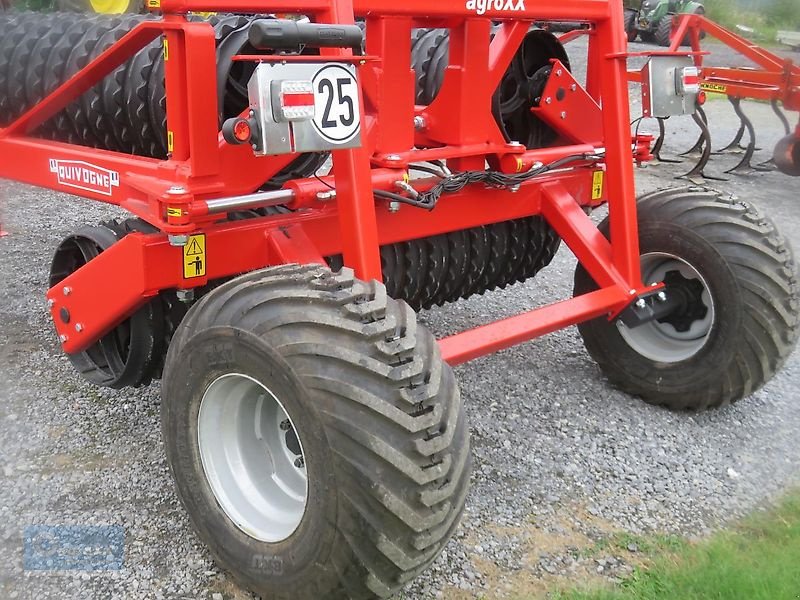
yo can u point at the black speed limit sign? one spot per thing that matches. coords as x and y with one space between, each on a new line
336 107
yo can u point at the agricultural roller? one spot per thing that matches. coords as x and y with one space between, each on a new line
773 79
298 190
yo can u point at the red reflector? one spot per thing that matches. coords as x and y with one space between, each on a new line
701 98
691 79
292 100
241 130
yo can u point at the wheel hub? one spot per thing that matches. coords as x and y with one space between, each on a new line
290 438
683 332
252 457
689 294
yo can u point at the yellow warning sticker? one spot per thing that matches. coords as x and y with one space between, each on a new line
194 256
174 212
597 185
153 3
713 87
170 141
166 43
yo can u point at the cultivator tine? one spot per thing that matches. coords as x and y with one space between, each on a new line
735 147
704 140
745 167
656 151
787 128
769 165
697 174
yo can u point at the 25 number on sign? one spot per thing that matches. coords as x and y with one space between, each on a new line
338 116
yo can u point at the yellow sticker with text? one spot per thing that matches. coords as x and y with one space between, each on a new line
713 87
170 141
194 257
597 185
174 212
153 3
166 49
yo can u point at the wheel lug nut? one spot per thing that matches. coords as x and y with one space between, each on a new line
286 425
300 463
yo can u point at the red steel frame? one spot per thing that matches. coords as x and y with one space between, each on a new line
460 128
775 78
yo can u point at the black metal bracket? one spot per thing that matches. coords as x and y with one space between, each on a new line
648 307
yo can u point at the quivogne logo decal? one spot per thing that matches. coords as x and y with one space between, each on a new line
84 176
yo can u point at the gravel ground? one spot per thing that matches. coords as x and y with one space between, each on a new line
562 460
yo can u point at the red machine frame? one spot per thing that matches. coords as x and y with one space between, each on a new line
175 194
775 79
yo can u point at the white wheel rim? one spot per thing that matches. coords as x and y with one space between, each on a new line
252 457
662 341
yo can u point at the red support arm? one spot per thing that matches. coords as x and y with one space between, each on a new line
462 347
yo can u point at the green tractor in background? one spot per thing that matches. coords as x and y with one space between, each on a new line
103 7
653 19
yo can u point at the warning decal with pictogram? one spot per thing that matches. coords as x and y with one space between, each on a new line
194 257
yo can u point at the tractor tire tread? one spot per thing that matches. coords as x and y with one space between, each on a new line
765 270
389 380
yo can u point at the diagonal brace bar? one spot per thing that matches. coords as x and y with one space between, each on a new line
462 347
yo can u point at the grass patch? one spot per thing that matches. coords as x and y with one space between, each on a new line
779 13
765 17
622 542
757 559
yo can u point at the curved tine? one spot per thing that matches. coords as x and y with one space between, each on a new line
697 174
705 137
787 128
656 151
735 145
769 165
745 167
